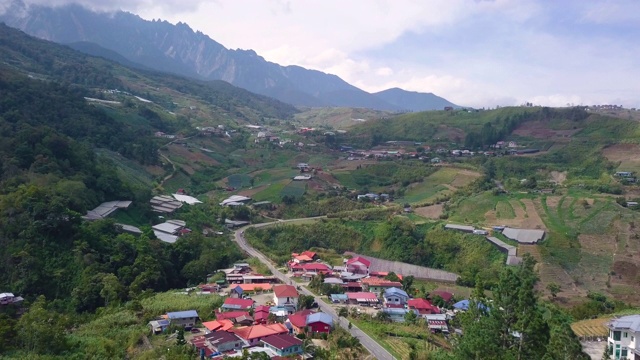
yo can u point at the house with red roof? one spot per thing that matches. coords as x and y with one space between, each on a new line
217 325
254 334
285 296
365 298
232 304
301 259
423 306
319 322
310 254
295 267
376 285
445 295
298 321
317 268
261 314
230 315
283 344
358 265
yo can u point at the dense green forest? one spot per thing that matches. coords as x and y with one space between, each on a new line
395 239
50 175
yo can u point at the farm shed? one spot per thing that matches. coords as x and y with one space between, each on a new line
463 228
524 236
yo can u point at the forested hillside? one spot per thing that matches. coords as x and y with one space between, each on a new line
50 175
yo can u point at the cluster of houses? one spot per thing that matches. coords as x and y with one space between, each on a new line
240 324
367 288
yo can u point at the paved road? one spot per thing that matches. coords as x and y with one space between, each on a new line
371 345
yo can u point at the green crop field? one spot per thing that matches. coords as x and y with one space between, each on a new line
294 189
239 181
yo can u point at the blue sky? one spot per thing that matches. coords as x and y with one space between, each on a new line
473 52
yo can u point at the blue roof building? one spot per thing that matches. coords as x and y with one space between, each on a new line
464 305
339 298
394 297
320 317
187 318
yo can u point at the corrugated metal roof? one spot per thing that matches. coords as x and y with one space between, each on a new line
182 314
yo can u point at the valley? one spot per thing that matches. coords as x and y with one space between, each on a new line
347 185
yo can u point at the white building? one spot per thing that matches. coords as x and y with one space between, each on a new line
623 334
285 296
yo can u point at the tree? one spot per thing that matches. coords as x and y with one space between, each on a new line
112 290
392 276
554 289
512 326
180 341
7 333
305 301
407 283
607 353
564 345
41 330
343 312
410 318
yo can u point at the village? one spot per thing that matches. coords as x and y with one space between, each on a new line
259 314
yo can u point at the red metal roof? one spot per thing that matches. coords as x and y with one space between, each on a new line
216 325
299 319
361 295
259 331
282 342
308 253
285 291
360 259
238 303
419 304
315 267
231 314
445 295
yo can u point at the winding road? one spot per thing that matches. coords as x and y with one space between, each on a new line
371 345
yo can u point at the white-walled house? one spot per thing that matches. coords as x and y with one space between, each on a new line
285 295
623 337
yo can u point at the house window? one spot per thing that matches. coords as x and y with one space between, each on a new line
625 334
616 335
624 352
632 339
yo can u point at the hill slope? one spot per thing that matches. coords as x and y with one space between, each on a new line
178 49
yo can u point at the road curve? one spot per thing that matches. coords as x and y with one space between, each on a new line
371 345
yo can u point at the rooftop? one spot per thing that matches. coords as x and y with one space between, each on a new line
282 341
631 322
459 227
182 314
235 303
395 292
259 331
320 317
234 199
285 291
218 325
525 236
359 259
299 319
221 337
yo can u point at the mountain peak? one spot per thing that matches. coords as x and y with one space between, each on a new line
180 50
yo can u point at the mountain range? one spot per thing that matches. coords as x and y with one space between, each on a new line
159 45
